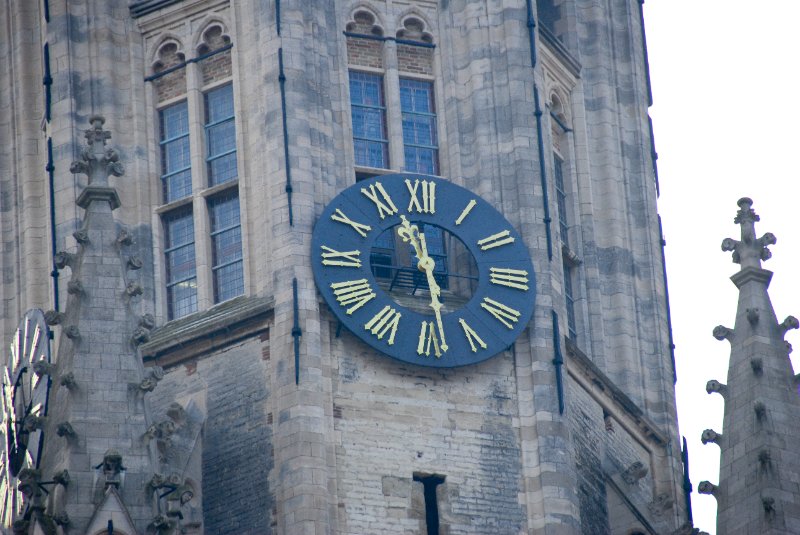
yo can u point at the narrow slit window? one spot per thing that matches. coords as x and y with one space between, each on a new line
430 482
572 330
561 199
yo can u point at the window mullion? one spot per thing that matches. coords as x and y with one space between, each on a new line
199 182
394 117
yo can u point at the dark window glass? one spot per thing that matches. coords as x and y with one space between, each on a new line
180 263
368 108
570 301
220 135
420 143
561 199
226 241
175 157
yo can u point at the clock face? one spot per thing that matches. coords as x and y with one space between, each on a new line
24 405
423 270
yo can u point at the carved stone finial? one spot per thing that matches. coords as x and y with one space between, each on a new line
709 435
68 380
634 473
64 429
752 315
723 333
72 332
134 262
97 161
788 324
133 289
749 252
53 317
707 487
714 386
63 259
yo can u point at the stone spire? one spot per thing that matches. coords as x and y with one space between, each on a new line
758 489
97 460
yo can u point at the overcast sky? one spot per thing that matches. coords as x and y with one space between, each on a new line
726 114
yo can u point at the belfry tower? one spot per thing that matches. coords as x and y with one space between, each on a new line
759 482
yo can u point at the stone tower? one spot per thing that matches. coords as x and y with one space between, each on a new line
758 490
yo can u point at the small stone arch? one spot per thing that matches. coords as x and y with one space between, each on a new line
364 20
414 27
213 36
559 105
168 53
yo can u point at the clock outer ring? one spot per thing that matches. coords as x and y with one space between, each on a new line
482 221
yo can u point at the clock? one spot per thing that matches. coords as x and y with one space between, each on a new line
24 406
423 270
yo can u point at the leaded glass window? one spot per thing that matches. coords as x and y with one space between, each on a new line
220 135
226 245
367 105
420 143
561 199
570 301
176 166
180 262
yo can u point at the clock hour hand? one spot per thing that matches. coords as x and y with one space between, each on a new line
427 264
410 234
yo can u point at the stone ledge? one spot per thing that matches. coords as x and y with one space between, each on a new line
560 51
584 366
143 7
198 333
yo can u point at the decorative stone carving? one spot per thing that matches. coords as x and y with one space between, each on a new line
788 324
64 429
177 413
723 333
661 504
634 473
768 502
757 366
152 376
709 435
140 335
706 487
761 410
68 380
42 367
72 332
53 317
30 487
32 423
124 237
147 321
63 259
61 518
765 460
715 386
75 287
81 236
749 251
61 478
161 524
134 262
752 315
112 468
133 289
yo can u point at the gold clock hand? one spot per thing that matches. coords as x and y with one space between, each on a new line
427 265
410 234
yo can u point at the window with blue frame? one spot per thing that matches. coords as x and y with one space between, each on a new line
561 199
176 165
368 109
226 245
220 135
179 255
570 301
420 144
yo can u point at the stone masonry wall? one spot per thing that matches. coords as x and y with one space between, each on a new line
231 386
393 421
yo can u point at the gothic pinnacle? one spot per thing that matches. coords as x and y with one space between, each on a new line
749 251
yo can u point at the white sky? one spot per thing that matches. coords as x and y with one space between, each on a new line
725 113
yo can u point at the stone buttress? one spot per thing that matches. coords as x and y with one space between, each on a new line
759 482
98 460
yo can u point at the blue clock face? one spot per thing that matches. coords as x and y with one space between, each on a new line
423 270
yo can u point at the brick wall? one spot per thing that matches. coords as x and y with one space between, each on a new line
173 84
216 67
237 434
415 59
365 52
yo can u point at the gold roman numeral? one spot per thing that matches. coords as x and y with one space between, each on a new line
513 278
428 204
355 292
386 205
465 212
495 240
350 258
384 321
504 314
472 336
361 228
428 338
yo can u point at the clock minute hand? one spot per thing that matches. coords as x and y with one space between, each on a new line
427 264
410 234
